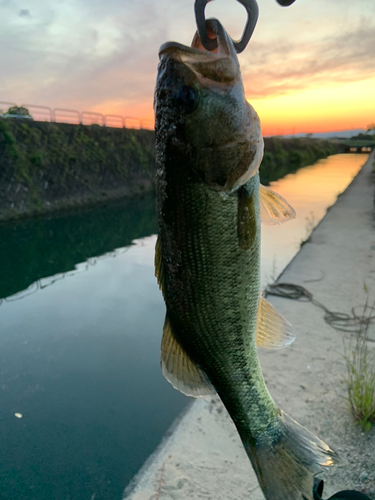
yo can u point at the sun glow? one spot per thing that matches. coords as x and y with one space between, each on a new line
328 108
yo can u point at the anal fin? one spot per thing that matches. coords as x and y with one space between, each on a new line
274 209
273 330
179 369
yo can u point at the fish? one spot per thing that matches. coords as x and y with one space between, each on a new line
210 205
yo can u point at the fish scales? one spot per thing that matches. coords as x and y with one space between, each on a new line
212 282
209 148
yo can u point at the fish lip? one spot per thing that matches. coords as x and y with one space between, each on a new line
223 60
224 49
170 47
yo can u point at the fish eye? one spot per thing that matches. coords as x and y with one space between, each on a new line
187 98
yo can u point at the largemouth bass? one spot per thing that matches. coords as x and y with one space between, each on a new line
209 148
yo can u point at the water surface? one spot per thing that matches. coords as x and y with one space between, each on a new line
310 190
80 329
79 354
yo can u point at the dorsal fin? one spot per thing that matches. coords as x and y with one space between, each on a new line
273 330
179 369
274 209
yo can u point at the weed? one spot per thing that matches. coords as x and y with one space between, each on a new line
283 156
310 224
360 378
273 275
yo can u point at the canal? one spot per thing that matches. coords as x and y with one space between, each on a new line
82 400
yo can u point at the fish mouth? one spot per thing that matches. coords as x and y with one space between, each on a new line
219 66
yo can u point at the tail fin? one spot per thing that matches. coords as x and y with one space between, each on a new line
286 457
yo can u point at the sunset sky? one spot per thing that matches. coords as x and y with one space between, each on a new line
308 68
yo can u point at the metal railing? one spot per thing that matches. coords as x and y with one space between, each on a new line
62 115
91 118
41 111
73 116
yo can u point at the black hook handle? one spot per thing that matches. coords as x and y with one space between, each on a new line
210 44
285 3
341 495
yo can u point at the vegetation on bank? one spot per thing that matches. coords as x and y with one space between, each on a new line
45 166
283 156
371 132
360 378
48 165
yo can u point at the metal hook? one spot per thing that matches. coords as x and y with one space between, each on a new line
210 44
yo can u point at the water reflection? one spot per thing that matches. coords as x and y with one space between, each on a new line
42 283
37 248
60 247
80 360
310 191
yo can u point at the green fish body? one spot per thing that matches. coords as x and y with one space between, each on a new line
209 148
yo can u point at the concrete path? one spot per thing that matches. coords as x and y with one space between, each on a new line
203 458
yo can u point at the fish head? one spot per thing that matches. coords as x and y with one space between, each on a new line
200 101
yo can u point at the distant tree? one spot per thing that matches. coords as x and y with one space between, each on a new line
371 130
362 137
18 110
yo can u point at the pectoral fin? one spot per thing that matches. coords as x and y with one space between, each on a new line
246 219
179 369
274 209
273 330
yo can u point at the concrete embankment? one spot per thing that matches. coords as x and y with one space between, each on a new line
50 166
203 457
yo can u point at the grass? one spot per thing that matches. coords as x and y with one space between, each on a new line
310 224
360 378
55 162
283 156
272 277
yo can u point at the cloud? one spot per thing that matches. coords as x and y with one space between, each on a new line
274 69
80 55
96 54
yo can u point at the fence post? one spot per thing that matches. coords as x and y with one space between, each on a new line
93 114
103 119
114 116
40 107
10 104
63 110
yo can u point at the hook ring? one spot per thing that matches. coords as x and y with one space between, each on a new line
210 44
